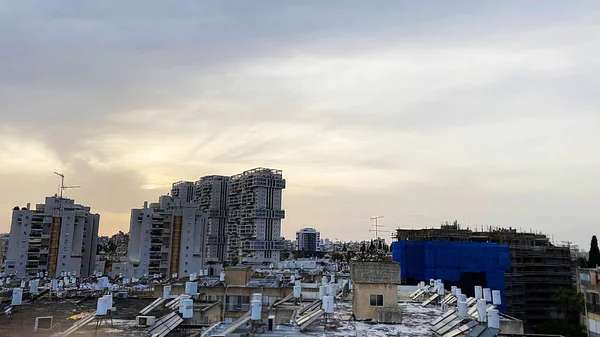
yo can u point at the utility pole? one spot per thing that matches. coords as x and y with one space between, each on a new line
376 226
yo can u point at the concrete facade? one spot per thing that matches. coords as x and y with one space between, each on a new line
58 236
375 287
254 216
167 238
308 239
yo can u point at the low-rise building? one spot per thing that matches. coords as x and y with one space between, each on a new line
588 282
375 287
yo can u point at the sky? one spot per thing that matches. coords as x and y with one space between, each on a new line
484 112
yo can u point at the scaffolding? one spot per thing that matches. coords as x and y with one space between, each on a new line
538 269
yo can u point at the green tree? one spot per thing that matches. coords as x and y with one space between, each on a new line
344 248
363 248
594 256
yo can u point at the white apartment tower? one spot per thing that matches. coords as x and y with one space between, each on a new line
254 216
213 220
167 237
211 196
56 237
308 239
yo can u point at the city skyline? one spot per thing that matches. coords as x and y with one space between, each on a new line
480 112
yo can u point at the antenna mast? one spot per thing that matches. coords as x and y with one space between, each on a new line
63 187
376 226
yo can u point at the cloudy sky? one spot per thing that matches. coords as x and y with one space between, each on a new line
421 111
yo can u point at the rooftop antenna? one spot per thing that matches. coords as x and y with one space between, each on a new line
377 225
62 185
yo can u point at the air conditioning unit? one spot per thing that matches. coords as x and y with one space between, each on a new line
145 321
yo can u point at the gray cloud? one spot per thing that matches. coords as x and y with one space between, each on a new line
463 110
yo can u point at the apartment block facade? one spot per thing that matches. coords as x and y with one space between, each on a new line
57 236
211 196
166 238
254 207
308 240
214 220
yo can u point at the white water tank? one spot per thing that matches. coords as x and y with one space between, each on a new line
462 297
193 277
73 280
324 279
256 310
332 278
222 276
478 292
23 284
328 304
462 309
481 310
493 318
191 288
487 294
188 308
440 289
167 292
458 292
182 299
322 291
453 290
431 282
496 297
102 306
292 279
297 291
17 296
298 282
109 299
332 289
257 296
54 285
33 286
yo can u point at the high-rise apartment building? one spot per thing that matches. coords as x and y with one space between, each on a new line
254 216
216 219
211 196
55 237
308 240
167 237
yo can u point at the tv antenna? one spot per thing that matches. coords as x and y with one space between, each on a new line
377 226
62 185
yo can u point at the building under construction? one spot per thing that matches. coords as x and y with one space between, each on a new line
537 267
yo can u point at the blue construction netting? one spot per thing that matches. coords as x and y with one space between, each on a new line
454 263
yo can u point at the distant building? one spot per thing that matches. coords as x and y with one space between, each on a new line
537 269
288 245
121 240
57 236
308 240
3 247
166 238
254 216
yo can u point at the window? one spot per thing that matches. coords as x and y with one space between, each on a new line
376 300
